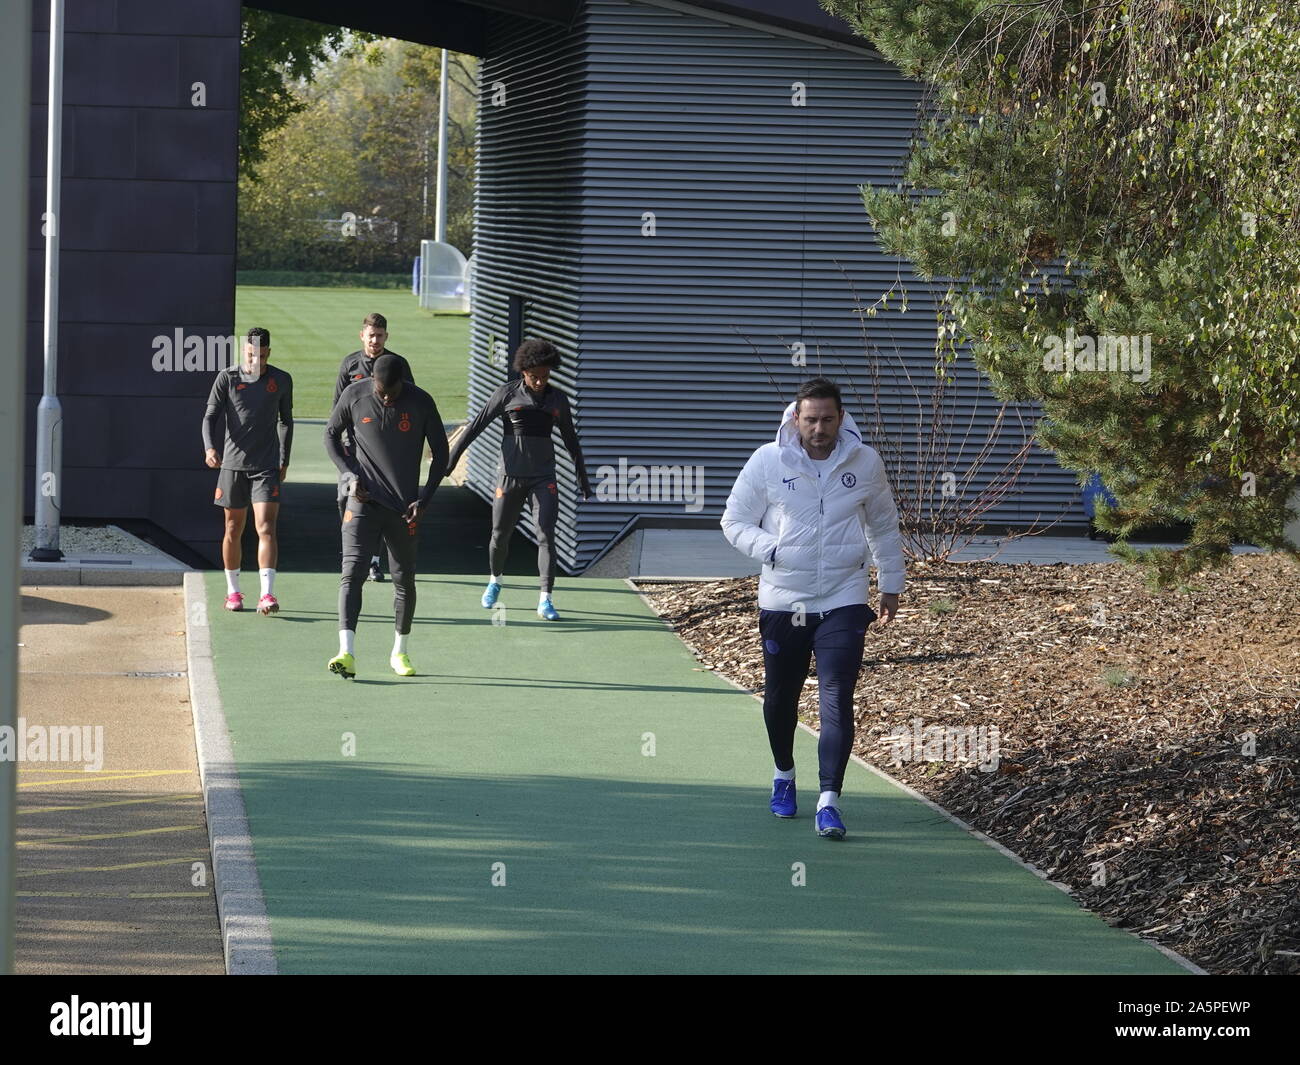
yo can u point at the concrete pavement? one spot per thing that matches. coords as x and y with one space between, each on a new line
114 871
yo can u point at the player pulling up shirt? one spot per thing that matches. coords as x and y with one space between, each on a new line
389 421
358 366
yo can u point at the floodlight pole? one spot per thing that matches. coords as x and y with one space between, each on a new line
49 415
440 210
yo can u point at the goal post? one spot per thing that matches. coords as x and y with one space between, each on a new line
444 279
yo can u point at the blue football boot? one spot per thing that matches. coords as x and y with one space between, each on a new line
829 823
783 804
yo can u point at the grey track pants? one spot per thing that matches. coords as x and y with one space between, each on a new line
508 504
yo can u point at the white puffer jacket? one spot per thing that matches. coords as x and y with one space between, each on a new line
810 523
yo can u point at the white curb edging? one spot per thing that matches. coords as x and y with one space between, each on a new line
241 906
1173 956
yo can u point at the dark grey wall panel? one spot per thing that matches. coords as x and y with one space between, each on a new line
199 61
761 241
527 225
148 240
141 215
761 236
164 288
191 19
86 368
137 61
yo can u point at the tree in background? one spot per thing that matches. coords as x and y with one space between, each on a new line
1097 171
362 138
399 141
309 172
277 53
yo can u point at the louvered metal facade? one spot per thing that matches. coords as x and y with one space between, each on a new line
679 341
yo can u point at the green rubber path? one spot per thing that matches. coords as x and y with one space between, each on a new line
574 797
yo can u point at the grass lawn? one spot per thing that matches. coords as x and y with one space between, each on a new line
313 328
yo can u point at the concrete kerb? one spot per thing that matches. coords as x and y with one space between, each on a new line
102 570
1173 956
241 906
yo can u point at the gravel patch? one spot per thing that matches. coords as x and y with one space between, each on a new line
89 540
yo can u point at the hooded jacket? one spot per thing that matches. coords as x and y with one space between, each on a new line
816 526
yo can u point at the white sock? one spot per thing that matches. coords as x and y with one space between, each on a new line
543 598
374 560
268 580
493 579
346 638
232 581
399 644
782 774
829 798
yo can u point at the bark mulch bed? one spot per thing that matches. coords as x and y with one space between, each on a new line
1124 721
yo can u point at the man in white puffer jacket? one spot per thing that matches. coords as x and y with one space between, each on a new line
807 506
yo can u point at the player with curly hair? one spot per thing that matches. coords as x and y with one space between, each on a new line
530 408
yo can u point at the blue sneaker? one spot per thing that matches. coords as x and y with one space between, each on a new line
829 823
783 804
490 596
546 611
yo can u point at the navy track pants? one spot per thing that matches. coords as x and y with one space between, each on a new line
836 637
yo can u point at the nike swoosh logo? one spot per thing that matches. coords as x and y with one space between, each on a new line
787 480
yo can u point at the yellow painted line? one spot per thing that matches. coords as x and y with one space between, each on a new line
97 778
24 769
114 802
111 868
110 895
109 835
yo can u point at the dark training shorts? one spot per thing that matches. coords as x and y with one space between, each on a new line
237 488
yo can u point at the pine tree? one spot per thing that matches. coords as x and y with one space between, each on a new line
1104 179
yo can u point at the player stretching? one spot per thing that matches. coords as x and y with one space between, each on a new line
256 400
388 420
357 367
532 407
